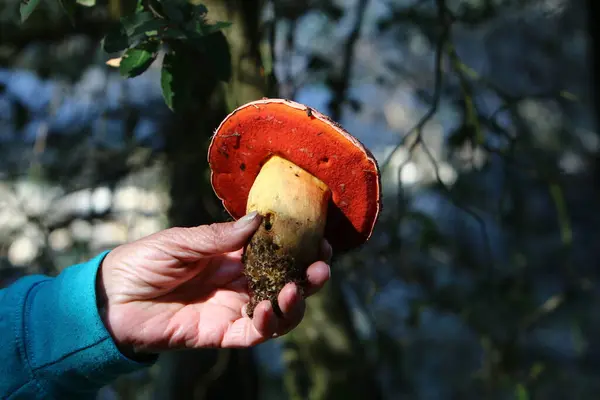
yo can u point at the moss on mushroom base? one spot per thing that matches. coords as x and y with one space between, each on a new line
293 204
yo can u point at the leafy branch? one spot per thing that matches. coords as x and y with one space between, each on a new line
177 27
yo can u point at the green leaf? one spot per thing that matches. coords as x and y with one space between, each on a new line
199 28
219 25
564 221
27 7
132 30
536 370
68 7
521 392
136 60
195 29
166 78
179 77
86 3
174 33
568 95
131 23
150 28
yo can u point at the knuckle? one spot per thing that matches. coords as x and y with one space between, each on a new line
207 237
214 233
204 238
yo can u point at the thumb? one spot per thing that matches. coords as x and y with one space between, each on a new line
191 244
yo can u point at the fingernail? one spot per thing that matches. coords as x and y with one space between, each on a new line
245 220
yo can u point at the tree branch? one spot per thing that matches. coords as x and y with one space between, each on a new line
341 84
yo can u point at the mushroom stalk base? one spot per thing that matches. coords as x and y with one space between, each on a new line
293 204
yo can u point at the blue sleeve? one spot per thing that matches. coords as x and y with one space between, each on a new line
53 344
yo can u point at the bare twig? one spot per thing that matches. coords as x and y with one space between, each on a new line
437 89
468 210
287 87
418 128
340 88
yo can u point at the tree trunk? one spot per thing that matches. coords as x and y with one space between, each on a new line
324 357
211 374
325 347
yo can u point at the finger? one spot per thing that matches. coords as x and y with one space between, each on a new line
239 285
243 332
224 271
236 255
292 306
191 244
288 298
265 324
317 275
264 319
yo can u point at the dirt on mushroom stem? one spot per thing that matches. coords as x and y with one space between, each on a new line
268 269
293 204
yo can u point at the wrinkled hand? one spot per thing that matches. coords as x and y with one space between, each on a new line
184 288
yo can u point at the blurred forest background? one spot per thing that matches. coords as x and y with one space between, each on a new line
479 282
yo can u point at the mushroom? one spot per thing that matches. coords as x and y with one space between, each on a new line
305 175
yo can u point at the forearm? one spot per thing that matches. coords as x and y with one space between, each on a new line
54 344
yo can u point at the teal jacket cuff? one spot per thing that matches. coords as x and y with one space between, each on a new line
60 340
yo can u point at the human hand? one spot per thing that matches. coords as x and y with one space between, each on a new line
184 288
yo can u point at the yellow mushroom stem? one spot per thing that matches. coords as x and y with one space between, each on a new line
293 204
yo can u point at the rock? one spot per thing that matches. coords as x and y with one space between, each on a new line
101 200
23 251
11 217
108 234
60 239
144 226
35 198
77 204
81 230
126 198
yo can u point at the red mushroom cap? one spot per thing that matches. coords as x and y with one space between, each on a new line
254 132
